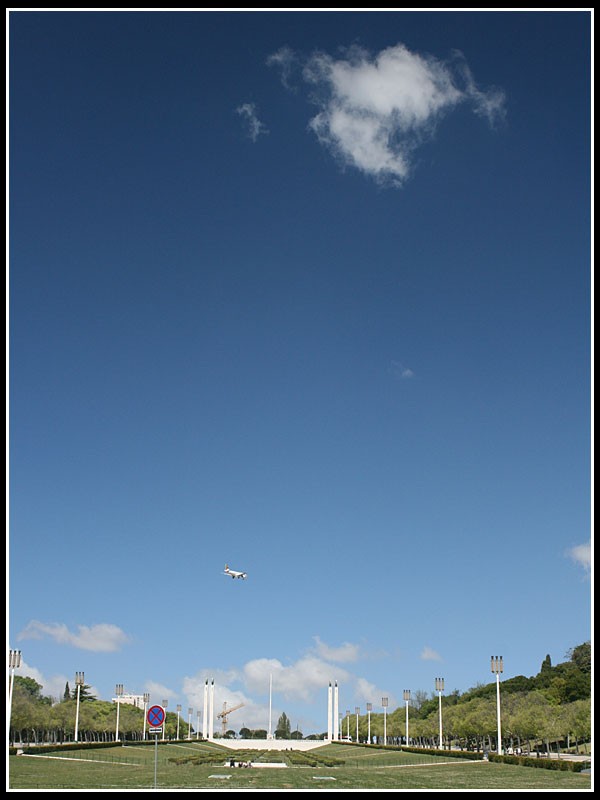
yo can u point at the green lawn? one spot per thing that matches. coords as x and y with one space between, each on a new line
364 768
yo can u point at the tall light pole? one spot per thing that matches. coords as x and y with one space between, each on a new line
348 724
165 703
79 684
270 731
198 724
384 703
146 701
119 693
497 668
369 709
14 662
406 700
439 687
357 712
190 712
178 707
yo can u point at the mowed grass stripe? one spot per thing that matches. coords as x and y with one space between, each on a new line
364 768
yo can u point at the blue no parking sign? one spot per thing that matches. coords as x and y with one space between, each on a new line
155 717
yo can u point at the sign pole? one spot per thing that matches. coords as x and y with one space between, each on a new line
155 757
156 719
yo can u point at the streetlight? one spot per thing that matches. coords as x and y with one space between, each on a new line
348 725
79 684
146 701
369 709
198 724
357 712
119 693
439 687
406 700
497 668
165 703
384 703
178 707
14 662
190 712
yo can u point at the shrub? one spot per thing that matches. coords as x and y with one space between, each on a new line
542 763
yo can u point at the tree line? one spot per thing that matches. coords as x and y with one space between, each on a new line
36 718
553 706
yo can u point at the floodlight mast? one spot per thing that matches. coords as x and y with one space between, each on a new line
79 684
407 700
146 701
165 703
119 693
14 662
384 703
498 667
439 687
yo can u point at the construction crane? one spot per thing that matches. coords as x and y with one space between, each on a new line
222 715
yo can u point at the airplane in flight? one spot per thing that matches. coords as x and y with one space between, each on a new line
234 574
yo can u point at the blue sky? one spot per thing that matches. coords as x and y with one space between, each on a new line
307 293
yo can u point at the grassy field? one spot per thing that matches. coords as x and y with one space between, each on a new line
133 768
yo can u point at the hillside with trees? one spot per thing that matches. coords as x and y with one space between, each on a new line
553 706
37 718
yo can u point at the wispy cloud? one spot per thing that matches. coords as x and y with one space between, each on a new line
581 554
286 61
399 370
344 653
429 654
376 110
254 126
103 638
159 692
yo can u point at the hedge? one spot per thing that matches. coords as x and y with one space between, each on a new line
564 764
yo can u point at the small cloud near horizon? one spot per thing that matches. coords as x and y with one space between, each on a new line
429 654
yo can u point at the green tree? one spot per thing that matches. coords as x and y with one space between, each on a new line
84 693
28 686
581 656
546 664
283 729
67 693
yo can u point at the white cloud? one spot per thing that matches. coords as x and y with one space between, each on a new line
250 715
428 654
298 681
103 638
374 111
285 60
345 653
304 681
254 126
159 692
398 370
367 692
582 555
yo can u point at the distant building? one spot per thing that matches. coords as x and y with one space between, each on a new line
136 700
